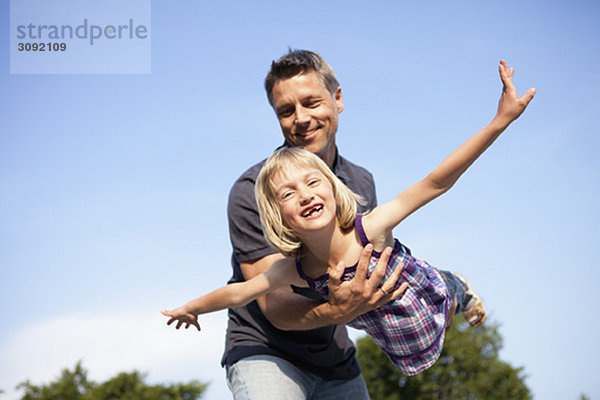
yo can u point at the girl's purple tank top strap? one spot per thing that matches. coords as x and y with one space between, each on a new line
360 230
308 279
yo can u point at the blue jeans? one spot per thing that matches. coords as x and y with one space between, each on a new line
456 288
265 377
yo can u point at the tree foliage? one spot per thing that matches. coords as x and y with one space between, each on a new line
75 385
468 368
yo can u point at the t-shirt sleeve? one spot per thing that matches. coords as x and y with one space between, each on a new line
371 193
245 229
361 181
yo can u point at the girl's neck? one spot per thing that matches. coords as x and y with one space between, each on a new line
324 250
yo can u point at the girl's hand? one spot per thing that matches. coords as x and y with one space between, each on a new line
511 106
182 316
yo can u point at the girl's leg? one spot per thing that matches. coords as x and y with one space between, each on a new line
451 313
456 288
466 300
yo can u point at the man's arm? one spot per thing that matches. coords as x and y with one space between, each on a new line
289 311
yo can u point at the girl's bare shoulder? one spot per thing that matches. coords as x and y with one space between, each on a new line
377 229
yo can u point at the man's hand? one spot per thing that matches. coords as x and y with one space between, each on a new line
349 299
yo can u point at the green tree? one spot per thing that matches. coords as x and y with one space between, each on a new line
75 385
468 368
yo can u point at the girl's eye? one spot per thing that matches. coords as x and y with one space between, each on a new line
313 182
286 195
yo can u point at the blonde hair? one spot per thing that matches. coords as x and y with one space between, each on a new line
280 237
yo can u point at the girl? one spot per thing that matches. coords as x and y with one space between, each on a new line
310 216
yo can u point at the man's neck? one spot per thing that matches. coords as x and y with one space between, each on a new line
329 155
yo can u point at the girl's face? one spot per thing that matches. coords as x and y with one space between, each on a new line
306 199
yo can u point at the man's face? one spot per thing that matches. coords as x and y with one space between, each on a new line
308 113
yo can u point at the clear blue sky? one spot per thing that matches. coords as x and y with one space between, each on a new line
113 187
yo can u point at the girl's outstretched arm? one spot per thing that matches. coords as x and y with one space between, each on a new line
442 178
234 295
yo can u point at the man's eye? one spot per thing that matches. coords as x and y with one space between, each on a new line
285 113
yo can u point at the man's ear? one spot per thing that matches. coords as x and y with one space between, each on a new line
338 99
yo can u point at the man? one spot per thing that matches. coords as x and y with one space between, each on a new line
287 346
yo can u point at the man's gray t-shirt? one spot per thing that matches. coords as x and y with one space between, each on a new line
326 352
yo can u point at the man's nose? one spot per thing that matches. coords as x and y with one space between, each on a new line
302 118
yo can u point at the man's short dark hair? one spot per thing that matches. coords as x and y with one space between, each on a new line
297 62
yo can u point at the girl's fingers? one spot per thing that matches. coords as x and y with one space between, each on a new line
528 96
187 320
506 73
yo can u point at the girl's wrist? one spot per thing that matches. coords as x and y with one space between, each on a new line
190 309
500 122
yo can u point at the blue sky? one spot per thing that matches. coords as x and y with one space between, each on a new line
113 187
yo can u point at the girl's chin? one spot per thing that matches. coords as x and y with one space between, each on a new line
316 224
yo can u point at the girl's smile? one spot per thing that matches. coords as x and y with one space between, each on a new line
314 211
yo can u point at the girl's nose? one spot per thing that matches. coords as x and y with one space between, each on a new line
306 197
